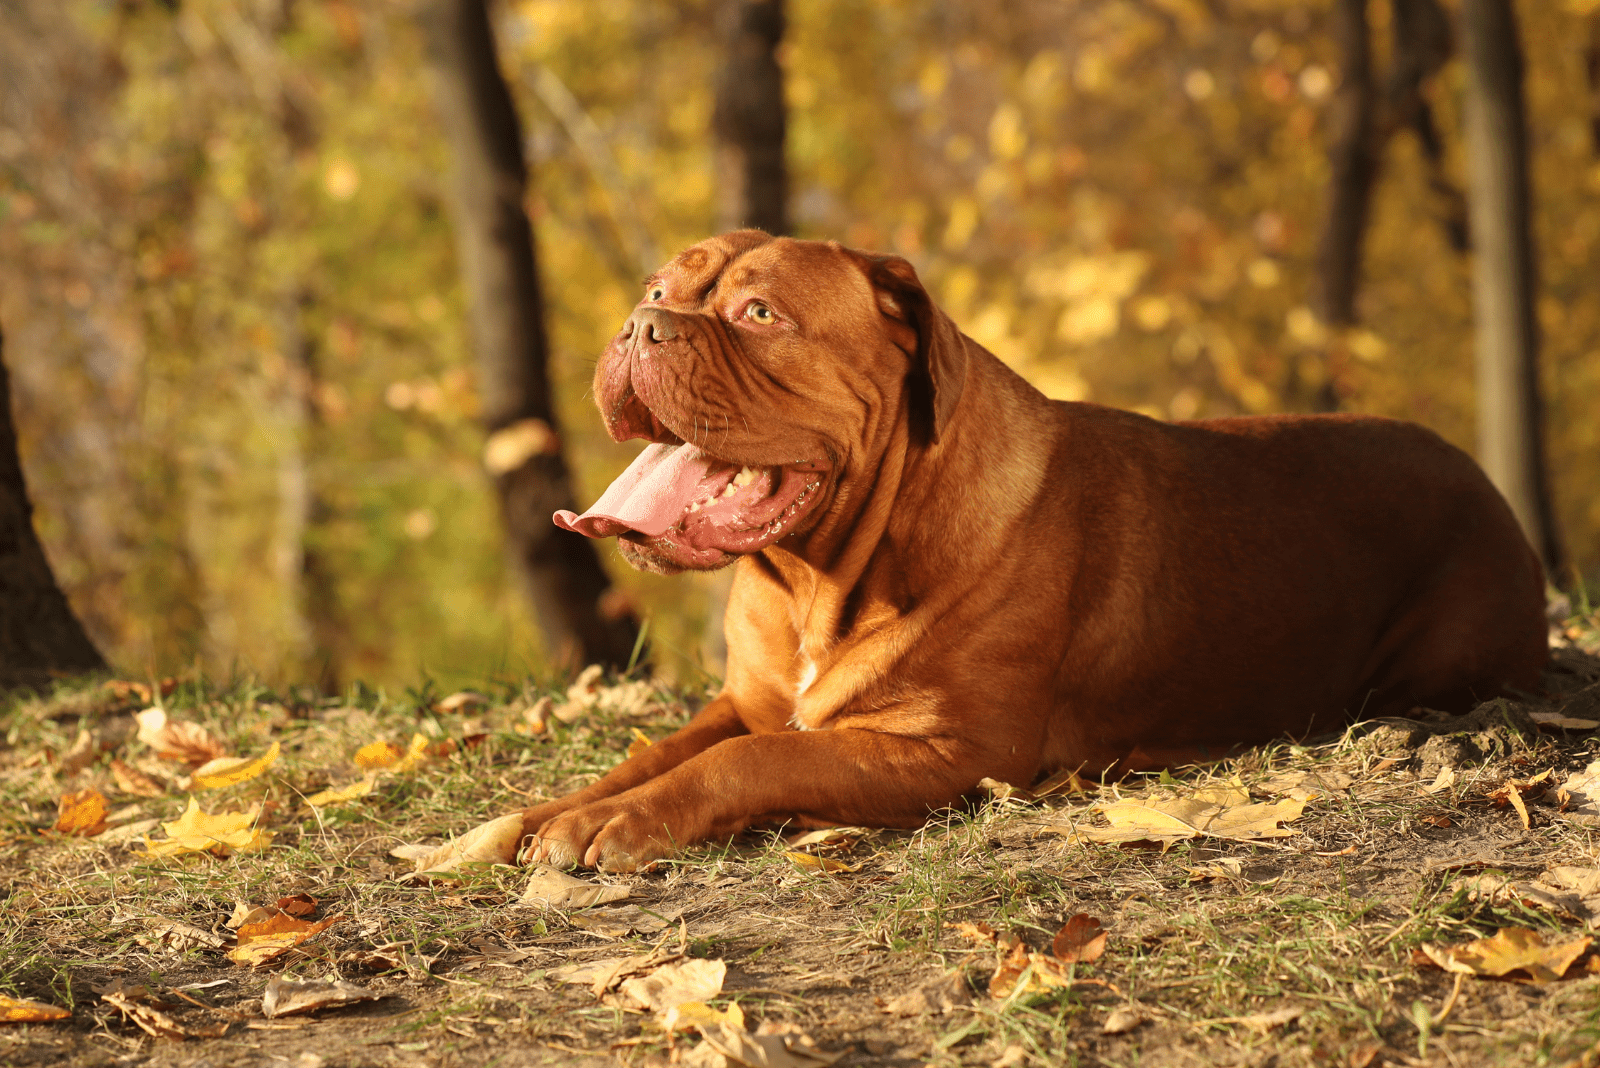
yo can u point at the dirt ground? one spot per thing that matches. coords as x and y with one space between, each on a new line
1300 938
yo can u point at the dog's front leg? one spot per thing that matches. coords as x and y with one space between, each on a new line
715 723
817 777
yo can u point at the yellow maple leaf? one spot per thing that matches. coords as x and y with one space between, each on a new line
19 1010
339 795
415 754
200 832
82 813
1511 949
230 771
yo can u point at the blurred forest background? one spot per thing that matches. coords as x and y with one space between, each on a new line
237 333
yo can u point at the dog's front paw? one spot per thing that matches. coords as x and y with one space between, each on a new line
610 835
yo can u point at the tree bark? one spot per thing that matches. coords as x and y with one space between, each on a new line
494 240
40 638
1504 276
1591 70
749 117
750 123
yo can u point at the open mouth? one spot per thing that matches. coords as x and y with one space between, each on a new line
681 495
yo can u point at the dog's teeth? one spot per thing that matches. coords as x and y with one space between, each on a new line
732 488
744 477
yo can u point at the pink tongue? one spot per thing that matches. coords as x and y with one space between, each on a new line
648 497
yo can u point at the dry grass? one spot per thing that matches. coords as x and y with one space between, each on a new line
1324 922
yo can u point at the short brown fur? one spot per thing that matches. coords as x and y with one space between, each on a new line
994 584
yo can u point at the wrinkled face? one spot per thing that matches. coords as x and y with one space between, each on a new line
759 368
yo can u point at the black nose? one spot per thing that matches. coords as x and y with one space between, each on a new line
650 326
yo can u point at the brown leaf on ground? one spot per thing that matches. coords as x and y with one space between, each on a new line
622 921
602 975
230 771
1305 785
978 933
494 842
771 1046
300 905
130 780
341 794
1579 797
81 814
1028 971
1121 1021
940 997
1081 940
674 984
179 740
827 836
1212 812
142 1009
1066 781
290 997
263 942
174 936
84 751
1555 722
552 888
693 1014
1511 950
1004 791
461 701
808 862
222 833
1263 1021
20 1010
641 742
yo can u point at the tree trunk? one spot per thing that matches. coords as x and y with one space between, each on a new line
40 638
750 122
494 241
1504 276
749 118
1591 70
1353 162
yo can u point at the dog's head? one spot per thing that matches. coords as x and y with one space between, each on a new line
769 375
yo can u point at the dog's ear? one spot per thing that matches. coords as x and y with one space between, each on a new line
940 363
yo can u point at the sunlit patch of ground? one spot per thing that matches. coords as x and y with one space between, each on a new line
1299 940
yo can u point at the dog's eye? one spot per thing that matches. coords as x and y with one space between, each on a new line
655 292
759 313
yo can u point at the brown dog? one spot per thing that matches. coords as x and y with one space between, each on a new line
943 575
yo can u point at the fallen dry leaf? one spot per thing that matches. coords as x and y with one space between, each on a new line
20 1010
809 862
1121 1021
230 771
1081 940
622 921
943 995
174 936
143 1009
84 751
131 780
1442 782
179 740
641 742
771 1046
980 933
1263 1021
1556 722
221 834
339 795
263 942
1306 785
82 814
301 905
602 975
1028 972
552 888
1579 796
674 984
1066 781
377 755
827 836
698 1014
461 701
1513 949
1211 813
1004 791
494 842
290 997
